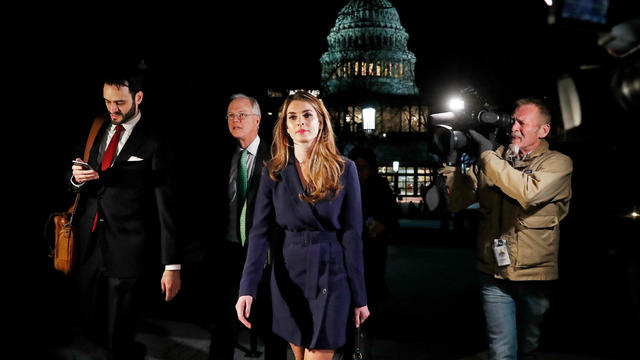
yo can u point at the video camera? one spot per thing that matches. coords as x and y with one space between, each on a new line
451 142
449 138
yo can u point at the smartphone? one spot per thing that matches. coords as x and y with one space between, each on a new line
84 165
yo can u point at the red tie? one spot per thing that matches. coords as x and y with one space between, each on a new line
107 158
111 149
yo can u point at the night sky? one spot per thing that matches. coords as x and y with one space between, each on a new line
501 48
197 56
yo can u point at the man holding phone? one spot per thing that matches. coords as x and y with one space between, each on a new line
125 222
83 166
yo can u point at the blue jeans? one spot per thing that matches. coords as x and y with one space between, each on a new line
513 312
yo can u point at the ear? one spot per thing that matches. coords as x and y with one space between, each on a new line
258 121
138 97
544 131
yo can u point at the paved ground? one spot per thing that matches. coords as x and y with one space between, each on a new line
433 312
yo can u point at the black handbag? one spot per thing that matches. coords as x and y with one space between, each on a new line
358 354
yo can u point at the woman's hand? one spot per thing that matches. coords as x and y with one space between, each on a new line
362 313
243 309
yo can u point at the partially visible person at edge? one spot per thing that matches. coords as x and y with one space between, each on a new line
312 195
380 214
125 218
524 191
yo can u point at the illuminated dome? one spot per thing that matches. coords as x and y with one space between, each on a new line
368 52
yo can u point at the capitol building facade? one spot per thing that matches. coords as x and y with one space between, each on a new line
368 85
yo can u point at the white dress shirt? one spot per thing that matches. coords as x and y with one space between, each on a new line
252 151
124 136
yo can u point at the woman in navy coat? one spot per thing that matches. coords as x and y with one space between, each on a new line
312 197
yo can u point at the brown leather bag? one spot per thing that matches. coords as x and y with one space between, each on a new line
65 233
64 253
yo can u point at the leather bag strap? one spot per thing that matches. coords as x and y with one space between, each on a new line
97 124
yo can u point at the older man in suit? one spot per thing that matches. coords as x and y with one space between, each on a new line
226 253
125 222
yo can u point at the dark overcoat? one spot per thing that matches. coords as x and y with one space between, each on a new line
318 271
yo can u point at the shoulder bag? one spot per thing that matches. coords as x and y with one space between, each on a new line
63 250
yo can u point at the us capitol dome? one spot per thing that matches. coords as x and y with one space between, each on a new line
368 52
368 86
367 83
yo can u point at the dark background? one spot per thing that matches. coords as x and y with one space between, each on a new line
198 55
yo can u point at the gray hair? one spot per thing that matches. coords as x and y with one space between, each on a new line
543 109
255 107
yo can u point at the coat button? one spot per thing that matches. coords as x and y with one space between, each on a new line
324 291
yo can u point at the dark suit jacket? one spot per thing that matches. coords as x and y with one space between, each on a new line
135 199
222 213
223 261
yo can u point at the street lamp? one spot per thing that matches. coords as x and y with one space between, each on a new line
369 119
396 167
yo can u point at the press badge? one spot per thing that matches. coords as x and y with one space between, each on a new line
500 252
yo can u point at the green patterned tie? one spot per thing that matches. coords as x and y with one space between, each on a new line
242 192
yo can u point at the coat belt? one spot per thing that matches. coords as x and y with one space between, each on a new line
313 240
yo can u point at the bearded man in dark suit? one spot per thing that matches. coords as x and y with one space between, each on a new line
125 221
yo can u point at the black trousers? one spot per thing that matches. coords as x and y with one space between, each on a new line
108 305
222 271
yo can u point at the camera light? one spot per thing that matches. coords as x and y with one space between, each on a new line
456 104
396 166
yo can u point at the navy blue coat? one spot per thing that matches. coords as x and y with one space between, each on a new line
318 271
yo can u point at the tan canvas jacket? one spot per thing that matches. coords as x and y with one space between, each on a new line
522 204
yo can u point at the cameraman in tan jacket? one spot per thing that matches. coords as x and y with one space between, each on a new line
523 191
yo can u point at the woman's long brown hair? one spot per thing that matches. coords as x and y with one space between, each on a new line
325 164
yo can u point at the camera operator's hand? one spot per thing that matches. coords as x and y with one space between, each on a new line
484 144
452 155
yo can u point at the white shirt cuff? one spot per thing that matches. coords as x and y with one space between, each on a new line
74 183
172 267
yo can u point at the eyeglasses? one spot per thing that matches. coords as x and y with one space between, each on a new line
239 116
